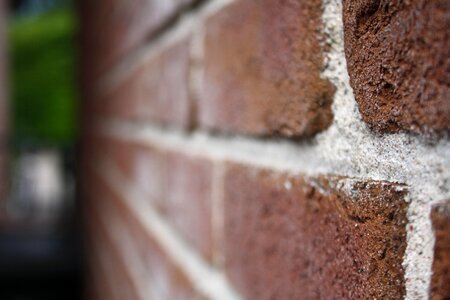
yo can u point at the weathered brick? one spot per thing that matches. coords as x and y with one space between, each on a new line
262 69
398 61
188 199
294 237
111 28
440 283
155 91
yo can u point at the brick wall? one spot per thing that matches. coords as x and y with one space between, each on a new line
266 149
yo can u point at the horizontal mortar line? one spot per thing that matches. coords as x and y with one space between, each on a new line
183 26
207 280
294 157
124 255
307 157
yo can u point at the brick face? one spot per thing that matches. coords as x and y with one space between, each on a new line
165 279
398 61
119 284
198 122
440 282
188 199
262 70
156 90
176 184
140 164
156 274
291 237
112 28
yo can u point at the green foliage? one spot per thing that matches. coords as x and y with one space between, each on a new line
43 78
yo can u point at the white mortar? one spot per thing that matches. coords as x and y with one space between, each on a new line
347 147
397 157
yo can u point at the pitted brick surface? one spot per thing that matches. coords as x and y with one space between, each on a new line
290 237
398 57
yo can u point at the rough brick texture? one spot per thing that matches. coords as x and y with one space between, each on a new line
291 237
262 69
220 162
440 285
398 60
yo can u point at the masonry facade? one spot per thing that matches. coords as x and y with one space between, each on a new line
278 149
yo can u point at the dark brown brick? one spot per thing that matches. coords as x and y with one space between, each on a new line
398 60
440 282
155 91
262 69
293 237
188 199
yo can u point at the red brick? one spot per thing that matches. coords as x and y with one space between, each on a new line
143 166
398 61
262 69
166 279
440 282
188 199
140 164
177 185
116 271
106 260
293 237
112 28
155 91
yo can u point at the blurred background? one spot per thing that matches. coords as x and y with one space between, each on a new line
40 241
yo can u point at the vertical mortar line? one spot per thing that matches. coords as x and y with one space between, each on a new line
218 213
347 123
182 27
206 280
196 55
419 255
